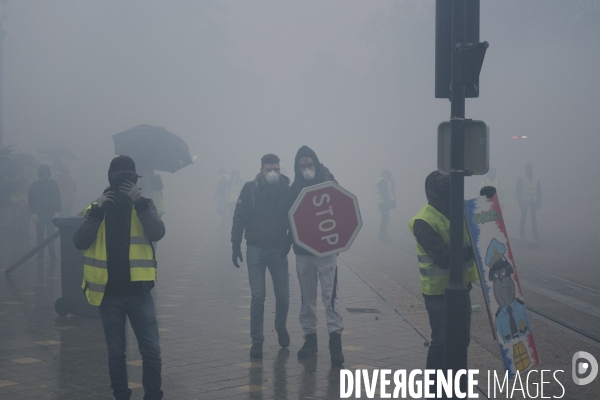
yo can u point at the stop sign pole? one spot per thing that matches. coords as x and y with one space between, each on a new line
325 219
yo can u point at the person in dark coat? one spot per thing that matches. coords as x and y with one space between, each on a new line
44 204
311 269
261 217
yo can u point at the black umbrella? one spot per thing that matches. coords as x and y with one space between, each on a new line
58 152
153 147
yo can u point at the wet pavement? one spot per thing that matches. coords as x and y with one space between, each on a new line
202 304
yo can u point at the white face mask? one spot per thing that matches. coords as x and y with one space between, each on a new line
308 174
272 177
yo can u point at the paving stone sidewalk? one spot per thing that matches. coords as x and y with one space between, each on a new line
203 310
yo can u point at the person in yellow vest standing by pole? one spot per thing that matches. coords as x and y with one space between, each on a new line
119 272
529 196
491 179
386 201
431 229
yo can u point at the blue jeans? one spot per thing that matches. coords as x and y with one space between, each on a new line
258 261
139 308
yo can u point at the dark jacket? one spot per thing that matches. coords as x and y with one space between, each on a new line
261 211
117 224
322 174
437 190
44 195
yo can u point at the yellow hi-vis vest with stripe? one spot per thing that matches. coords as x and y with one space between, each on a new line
433 278
529 188
391 194
142 262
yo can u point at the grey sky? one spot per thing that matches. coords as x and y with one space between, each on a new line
352 79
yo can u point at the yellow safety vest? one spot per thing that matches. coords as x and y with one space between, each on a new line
433 278
234 190
529 188
391 193
142 262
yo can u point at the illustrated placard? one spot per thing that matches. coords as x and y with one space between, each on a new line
500 283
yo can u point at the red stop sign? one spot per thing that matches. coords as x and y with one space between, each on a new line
325 219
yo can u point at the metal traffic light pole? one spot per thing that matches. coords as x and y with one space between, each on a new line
456 294
2 36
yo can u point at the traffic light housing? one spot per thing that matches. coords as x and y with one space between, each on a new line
444 45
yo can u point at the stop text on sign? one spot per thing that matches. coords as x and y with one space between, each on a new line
327 225
325 219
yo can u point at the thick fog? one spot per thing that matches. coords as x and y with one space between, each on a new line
354 80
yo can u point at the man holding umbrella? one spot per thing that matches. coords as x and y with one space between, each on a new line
119 272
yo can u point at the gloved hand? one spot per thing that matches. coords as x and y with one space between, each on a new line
487 191
130 189
237 253
105 198
35 218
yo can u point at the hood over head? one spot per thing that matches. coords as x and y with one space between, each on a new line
437 190
44 170
306 151
322 174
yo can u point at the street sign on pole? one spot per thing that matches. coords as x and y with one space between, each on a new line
325 219
477 147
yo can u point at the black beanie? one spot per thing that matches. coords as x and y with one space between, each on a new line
121 164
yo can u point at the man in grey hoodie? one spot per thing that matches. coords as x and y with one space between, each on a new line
311 269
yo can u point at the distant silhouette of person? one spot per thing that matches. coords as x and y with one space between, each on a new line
529 196
221 196
386 201
68 189
236 183
44 204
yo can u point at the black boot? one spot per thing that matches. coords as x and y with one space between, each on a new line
283 337
335 349
310 346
